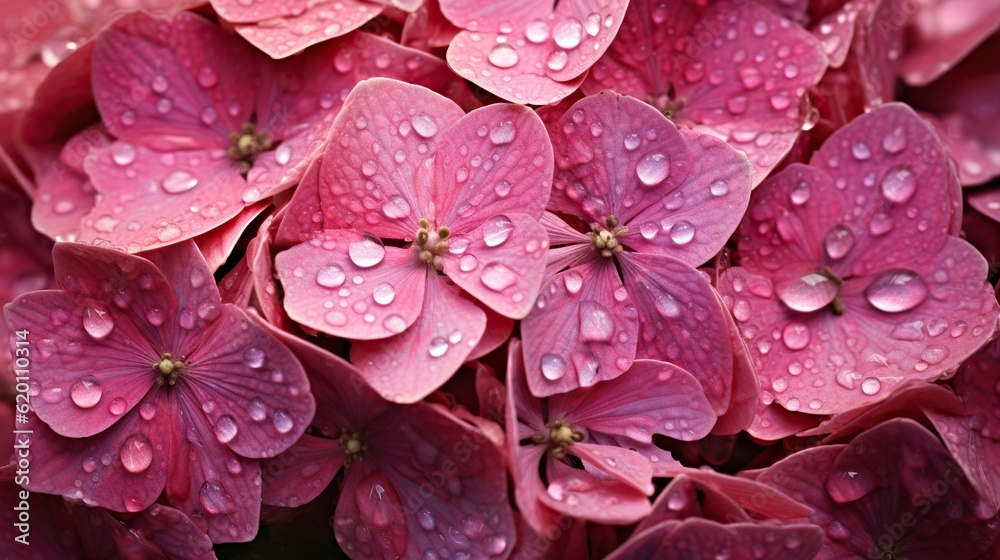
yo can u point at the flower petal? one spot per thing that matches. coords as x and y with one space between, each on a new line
302 472
310 23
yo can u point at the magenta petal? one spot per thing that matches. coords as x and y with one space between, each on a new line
310 23
482 168
166 529
583 330
64 193
218 244
409 366
580 494
123 468
500 263
302 472
156 199
390 289
624 465
681 321
701 539
746 386
941 33
187 50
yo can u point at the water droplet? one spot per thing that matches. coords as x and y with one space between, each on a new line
468 263
86 392
502 188
896 290
553 366
283 154
596 324
502 134
136 454
331 276
895 141
97 321
498 277
257 409
800 193
718 188
147 411
536 31
394 323
838 241
806 292
206 77
438 347
631 141
367 251
384 293
253 358
573 281
225 429
282 421
795 335
503 55
568 33
215 500
861 151
898 185
208 115
424 125
557 60
123 153
652 169
426 520
179 181
497 230
682 232
592 25
934 354
871 386
848 379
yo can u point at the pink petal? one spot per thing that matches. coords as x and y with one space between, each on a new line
302 472
836 31
312 275
190 279
481 167
746 386
942 33
432 348
700 539
774 422
218 244
64 192
500 263
251 12
371 504
187 81
497 332
579 494
679 311
260 261
166 529
309 23
623 465
148 201
751 495
584 325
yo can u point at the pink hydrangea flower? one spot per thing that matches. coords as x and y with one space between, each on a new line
212 126
415 211
894 491
851 280
145 382
941 33
733 69
416 478
658 201
282 28
530 52
595 444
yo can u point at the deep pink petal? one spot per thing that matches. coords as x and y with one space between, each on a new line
164 530
390 290
623 465
942 33
409 366
751 495
583 330
836 31
680 321
310 23
746 386
700 539
482 167
144 65
218 244
500 263
190 279
302 472
580 494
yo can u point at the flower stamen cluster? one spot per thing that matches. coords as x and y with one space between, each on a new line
354 446
431 244
246 144
560 437
170 370
606 238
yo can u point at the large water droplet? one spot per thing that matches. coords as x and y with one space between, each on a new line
207 77
215 500
567 33
573 281
795 335
179 181
838 241
394 323
283 154
871 386
652 169
384 293
895 141
253 357
537 31
97 321
557 60
123 153
861 151
257 409
596 323
682 232
497 230
225 429
86 392
805 291
898 185
282 422
424 125
330 276
367 251
498 277
136 454
438 347
503 133
896 290
553 366
503 55
800 193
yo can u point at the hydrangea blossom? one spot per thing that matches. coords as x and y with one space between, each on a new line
851 280
414 208
145 382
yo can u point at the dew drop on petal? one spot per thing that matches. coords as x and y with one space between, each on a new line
800 193
557 60
86 392
97 321
895 141
438 347
652 169
795 335
573 281
123 153
136 454
568 33
838 241
253 357
682 232
806 292
537 31
207 77
631 141
497 230
331 276
861 151
225 429
283 154
282 421
257 409
468 263
367 251
871 386
215 500
553 366
898 185
503 133
147 410
596 323
503 55
394 323
424 125
498 277
502 188
896 290
384 293
179 181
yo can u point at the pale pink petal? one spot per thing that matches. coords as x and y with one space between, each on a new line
389 287
309 23
836 31
409 366
218 244
500 263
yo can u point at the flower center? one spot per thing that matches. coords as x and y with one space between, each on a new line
667 103
169 369
606 238
430 244
354 446
560 437
246 144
